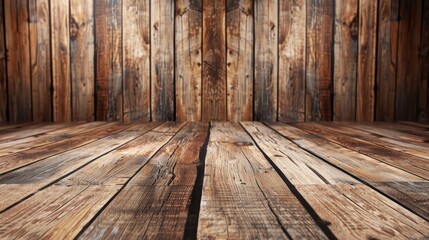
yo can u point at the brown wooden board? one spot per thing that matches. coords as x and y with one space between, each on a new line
292 49
188 66
214 102
108 82
319 41
3 75
423 101
136 59
266 60
31 130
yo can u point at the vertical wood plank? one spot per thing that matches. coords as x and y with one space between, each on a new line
214 62
162 60
319 60
292 35
61 60
239 34
3 79
82 59
18 60
136 72
345 63
423 111
266 60
367 60
109 98
40 53
407 87
189 23
388 21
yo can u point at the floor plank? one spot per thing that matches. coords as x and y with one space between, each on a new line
26 131
4 128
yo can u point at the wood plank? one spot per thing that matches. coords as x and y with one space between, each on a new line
266 60
30 131
240 67
40 54
367 56
155 203
214 62
60 47
162 60
405 188
352 208
292 50
82 47
8 127
3 73
108 24
188 70
345 60
417 124
18 60
319 41
388 27
244 197
408 82
136 57
423 101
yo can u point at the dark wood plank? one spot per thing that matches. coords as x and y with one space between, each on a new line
292 42
4 128
30 130
367 56
244 197
162 60
408 82
319 40
3 75
40 53
388 26
188 67
423 102
266 60
136 57
82 45
214 61
18 60
240 67
345 59
108 23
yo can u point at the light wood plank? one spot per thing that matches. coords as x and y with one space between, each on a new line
15 134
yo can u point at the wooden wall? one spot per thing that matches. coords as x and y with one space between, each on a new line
192 60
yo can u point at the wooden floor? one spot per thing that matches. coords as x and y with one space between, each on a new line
244 180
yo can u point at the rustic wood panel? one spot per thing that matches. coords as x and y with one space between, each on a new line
266 60
136 57
367 54
3 77
82 46
319 40
423 104
292 42
214 100
345 59
188 72
239 34
60 45
408 82
18 60
108 24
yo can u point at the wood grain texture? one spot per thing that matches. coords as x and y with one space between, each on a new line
3 73
319 40
388 23
18 60
82 46
162 60
367 56
408 82
136 57
240 67
423 102
292 48
61 74
345 59
214 100
108 82
266 60
188 66
40 53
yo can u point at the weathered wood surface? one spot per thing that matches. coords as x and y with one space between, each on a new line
3 75
423 101
31 130
292 50
214 100
266 60
188 65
